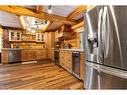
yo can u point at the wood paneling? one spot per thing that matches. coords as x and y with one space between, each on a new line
50 39
37 76
73 43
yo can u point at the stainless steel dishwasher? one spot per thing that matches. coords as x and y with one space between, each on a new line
76 63
14 56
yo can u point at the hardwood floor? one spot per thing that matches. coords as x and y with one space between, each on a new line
37 76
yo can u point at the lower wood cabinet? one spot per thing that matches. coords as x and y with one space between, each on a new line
66 60
82 67
4 56
42 54
28 55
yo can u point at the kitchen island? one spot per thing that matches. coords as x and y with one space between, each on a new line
66 61
12 55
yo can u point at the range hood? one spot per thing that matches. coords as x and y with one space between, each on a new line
64 32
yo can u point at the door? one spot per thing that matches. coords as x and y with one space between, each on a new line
92 35
114 36
103 77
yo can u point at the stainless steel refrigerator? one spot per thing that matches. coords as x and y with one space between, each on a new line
105 46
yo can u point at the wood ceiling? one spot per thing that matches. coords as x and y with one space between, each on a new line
62 14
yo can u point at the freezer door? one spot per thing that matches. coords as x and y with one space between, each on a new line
103 77
92 35
92 77
115 36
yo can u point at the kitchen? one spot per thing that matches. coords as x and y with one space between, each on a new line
63 47
31 41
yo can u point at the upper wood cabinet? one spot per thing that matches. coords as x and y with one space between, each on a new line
14 35
40 37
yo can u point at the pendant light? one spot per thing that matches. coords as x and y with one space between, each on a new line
49 9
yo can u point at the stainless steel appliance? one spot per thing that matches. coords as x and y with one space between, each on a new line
105 45
14 56
76 63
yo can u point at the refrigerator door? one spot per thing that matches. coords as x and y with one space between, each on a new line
103 77
114 36
92 35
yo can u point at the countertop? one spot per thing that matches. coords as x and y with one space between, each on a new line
22 48
81 50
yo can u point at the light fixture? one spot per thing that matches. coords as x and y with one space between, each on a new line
28 28
33 31
49 9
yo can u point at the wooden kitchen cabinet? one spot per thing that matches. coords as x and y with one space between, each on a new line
82 67
40 37
4 56
66 60
14 35
28 55
42 54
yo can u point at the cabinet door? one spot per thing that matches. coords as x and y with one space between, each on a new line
4 56
41 54
18 36
66 60
14 35
82 68
40 37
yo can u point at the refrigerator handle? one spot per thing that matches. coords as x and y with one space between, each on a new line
100 55
106 32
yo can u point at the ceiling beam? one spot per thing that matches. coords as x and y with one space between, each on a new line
90 8
46 26
39 9
76 12
80 24
18 10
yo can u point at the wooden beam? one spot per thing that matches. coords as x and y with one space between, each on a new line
39 9
76 12
90 7
80 24
46 27
18 10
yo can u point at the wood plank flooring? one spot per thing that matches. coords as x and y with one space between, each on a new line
37 76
